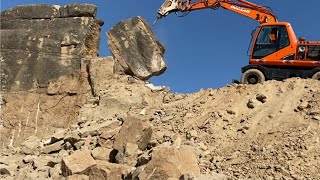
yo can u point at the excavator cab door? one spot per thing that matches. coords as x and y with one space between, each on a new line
269 40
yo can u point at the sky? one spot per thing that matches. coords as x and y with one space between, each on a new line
205 49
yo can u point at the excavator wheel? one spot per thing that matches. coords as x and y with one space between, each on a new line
252 76
316 75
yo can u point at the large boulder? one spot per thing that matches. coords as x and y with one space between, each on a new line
136 49
133 132
171 162
110 171
77 163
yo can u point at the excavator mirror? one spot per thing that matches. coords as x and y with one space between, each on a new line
252 33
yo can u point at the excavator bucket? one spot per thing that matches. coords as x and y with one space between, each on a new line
168 7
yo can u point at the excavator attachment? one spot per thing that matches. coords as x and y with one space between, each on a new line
168 7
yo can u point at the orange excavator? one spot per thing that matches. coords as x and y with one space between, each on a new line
275 52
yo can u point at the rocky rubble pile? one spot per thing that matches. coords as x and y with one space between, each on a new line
236 132
110 125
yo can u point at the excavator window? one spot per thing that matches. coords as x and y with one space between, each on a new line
270 39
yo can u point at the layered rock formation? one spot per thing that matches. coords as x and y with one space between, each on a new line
40 43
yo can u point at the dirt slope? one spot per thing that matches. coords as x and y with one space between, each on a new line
264 131
250 131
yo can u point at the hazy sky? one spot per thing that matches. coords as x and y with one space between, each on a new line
205 49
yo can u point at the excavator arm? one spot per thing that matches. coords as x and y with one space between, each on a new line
261 14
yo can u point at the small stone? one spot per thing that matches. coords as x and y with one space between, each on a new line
166 119
252 103
232 112
7 170
316 118
55 172
143 159
41 163
52 148
304 105
29 159
202 146
193 133
262 98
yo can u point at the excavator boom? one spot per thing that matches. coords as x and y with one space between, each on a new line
259 13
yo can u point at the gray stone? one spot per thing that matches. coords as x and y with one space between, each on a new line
35 11
80 10
136 48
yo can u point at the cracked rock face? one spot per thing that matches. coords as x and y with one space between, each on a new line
41 42
44 51
136 48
